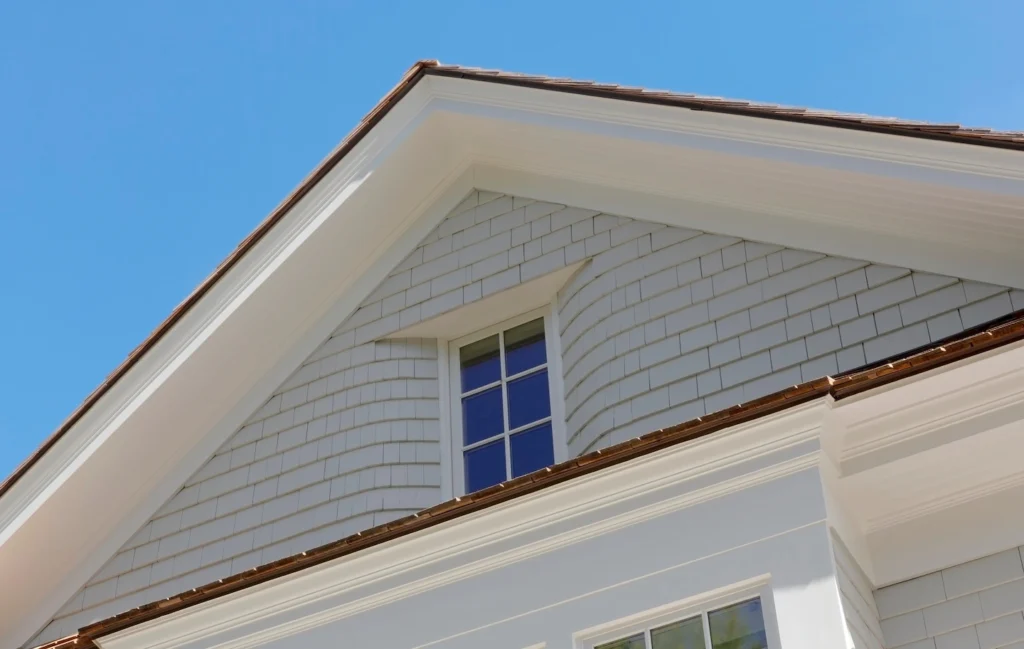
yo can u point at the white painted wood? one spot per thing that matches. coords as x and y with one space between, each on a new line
556 537
682 610
939 207
455 395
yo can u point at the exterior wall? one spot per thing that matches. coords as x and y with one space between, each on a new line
545 600
348 442
545 571
662 325
858 601
975 605
665 324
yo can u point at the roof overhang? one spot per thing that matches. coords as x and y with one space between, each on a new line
825 430
941 206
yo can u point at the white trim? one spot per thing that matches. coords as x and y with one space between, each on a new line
688 608
497 307
556 383
946 208
450 392
445 404
683 476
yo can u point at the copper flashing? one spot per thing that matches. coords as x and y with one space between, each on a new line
945 132
957 348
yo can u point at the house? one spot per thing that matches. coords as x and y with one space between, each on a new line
531 362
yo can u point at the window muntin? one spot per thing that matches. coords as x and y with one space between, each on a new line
505 405
737 626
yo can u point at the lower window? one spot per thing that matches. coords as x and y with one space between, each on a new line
738 626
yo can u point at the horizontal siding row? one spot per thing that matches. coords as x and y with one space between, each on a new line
661 325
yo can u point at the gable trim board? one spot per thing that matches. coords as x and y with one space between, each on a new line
778 407
907 128
349 440
419 121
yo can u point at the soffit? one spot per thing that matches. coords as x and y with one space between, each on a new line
192 382
998 344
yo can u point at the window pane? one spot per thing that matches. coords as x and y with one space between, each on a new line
528 399
635 642
740 626
480 363
532 450
524 347
482 416
485 466
688 634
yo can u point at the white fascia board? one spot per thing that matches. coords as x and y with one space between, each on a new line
191 390
947 208
954 400
732 460
986 168
185 397
905 495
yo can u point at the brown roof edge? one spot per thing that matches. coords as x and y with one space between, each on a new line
908 128
945 132
857 382
411 77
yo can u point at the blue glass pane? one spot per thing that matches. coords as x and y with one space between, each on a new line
740 626
524 347
485 466
532 450
482 416
480 363
528 399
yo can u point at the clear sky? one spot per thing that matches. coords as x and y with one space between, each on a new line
141 141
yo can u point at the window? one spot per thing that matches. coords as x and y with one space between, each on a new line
737 626
503 423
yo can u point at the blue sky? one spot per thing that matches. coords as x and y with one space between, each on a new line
140 142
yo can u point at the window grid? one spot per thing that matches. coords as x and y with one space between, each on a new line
704 621
503 381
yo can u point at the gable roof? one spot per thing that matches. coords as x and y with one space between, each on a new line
956 348
943 132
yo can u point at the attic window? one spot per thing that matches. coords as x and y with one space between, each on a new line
501 407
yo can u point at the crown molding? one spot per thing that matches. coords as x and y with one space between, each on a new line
676 478
938 206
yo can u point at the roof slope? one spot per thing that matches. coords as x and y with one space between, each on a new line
944 132
886 372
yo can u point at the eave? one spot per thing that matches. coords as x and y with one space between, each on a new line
247 607
944 200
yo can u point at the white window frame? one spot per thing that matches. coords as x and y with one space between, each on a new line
450 388
691 607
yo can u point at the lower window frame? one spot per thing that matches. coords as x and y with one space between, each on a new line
684 609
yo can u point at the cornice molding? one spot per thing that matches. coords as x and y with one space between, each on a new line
703 128
444 137
761 451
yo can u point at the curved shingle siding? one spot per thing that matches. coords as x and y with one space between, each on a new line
348 442
660 325
666 324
